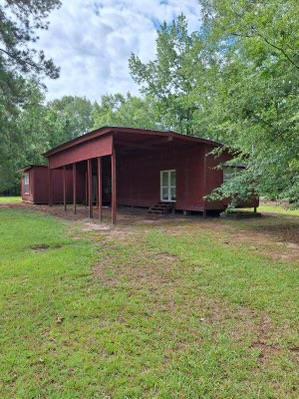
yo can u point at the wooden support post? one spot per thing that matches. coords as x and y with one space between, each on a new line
75 188
64 188
50 194
113 186
205 181
86 187
89 179
100 199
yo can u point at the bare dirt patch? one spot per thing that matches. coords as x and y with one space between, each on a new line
45 247
267 351
266 244
88 226
40 247
166 257
284 231
100 272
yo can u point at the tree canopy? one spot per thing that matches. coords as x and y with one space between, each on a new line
235 80
21 67
255 102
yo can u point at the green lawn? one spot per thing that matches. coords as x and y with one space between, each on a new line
10 200
265 208
178 310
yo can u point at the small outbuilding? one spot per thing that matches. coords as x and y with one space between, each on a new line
35 185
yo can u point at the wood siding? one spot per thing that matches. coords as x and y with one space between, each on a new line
138 177
94 148
39 186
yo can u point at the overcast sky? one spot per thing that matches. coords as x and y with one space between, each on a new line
91 40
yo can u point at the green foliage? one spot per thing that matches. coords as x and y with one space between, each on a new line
20 22
254 106
126 111
36 128
17 139
39 126
173 77
21 67
68 117
236 81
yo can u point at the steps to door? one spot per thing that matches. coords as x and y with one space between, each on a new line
162 208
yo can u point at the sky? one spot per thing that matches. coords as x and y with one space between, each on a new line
92 40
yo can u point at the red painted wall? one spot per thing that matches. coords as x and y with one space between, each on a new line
138 176
97 147
39 186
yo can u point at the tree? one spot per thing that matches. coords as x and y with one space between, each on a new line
126 111
36 128
20 22
236 81
24 138
173 78
21 68
254 104
69 117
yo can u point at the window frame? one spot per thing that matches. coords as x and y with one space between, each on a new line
170 187
26 185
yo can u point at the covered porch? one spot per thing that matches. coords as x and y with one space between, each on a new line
88 187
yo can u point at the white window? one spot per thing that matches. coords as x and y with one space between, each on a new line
26 183
168 185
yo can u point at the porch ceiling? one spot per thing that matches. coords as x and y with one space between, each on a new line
135 142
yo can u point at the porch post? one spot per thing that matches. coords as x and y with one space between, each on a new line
86 187
64 188
50 194
205 182
100 188
89 178
74 188
113 186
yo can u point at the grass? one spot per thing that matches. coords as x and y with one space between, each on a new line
10 200
165 311
266 208
273 208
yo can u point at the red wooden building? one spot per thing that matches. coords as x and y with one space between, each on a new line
35 185
134 167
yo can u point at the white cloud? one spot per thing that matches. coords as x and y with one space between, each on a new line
91 40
